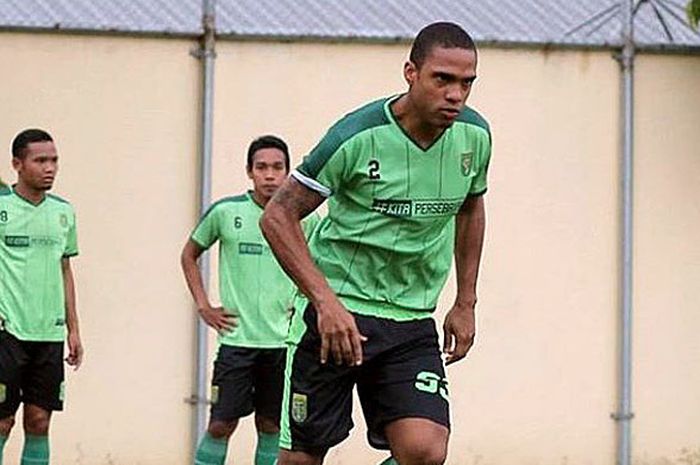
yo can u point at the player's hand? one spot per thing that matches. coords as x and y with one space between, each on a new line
339 334
218 318
75 350
459 331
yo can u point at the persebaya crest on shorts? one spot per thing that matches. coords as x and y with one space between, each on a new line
251 282
386 244
33 240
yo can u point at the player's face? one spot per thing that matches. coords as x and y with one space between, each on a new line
37 170
440 87
268 171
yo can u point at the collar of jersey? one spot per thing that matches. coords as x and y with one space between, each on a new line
252 199
395 123
17 194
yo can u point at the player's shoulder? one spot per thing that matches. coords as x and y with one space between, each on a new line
368 116
472 117
59 202
5 195
231 201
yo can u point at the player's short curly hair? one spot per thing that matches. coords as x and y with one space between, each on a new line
26 137
441 34
267 142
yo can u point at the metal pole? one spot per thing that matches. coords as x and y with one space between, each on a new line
207 54
624 414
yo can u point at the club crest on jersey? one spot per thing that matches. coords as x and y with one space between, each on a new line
467 162
63 220
299 407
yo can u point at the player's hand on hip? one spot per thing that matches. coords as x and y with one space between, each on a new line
459 331
218 318
340 337
75 350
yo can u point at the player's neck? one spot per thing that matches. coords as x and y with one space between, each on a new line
28 193
259 198
407 116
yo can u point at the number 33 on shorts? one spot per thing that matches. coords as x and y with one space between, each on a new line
427 381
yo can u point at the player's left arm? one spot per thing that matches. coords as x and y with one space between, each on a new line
75 346
460 327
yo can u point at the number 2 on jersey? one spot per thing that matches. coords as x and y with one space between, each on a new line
374 170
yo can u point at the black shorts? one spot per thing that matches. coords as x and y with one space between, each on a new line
30 373
401 376
247 380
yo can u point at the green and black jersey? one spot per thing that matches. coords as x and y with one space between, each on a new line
386 244
33 240
252 284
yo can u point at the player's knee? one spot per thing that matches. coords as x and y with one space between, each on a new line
296 460
287 457
6 425
266 425
424 453
36 424
222 429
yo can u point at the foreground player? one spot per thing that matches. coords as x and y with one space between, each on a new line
256 297
405 178
37 303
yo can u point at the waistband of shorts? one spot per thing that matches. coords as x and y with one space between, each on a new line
384 310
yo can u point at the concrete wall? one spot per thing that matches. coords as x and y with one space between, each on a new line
539 385
124 115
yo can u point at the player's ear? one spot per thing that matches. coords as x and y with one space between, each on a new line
16 163
249 172
410 71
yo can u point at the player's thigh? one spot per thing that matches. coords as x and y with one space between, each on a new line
268 375
43 380
13 358
232 383
317 401
406 381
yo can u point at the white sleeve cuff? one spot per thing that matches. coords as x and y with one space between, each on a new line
312 184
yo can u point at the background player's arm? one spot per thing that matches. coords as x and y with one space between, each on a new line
75 346
459 326
281 226
216 317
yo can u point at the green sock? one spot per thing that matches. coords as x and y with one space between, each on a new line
268 445
3 440
390 461
211 451
36 450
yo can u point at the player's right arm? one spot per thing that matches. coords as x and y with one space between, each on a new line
281 226
215 317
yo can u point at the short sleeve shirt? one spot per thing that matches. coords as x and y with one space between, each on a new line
252 284
386 244
33 241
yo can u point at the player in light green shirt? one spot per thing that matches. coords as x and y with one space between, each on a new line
256 298
37 294
405 178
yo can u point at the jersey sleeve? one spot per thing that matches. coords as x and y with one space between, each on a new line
71 249
479 184
207 230
323 169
